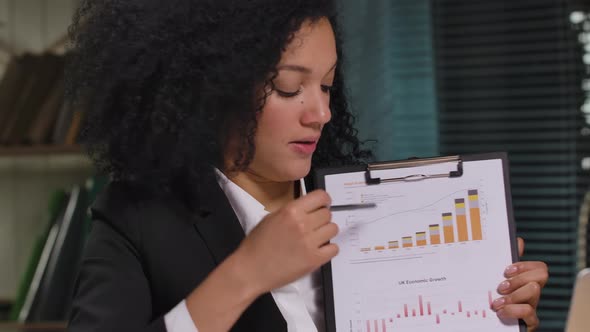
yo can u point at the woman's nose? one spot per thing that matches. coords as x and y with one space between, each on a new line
317 109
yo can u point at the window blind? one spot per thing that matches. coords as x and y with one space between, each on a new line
508 79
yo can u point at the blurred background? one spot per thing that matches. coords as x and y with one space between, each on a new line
426 78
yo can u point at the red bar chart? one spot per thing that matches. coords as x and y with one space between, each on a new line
429 314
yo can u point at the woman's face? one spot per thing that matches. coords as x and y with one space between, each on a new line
295 112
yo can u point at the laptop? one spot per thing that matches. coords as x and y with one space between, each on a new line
578 319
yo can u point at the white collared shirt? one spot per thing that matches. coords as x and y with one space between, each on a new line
300 302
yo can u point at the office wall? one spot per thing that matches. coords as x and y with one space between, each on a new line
32 25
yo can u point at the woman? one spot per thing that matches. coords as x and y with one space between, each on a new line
207 114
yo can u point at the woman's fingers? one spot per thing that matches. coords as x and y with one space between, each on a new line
323 234
527 294
328 251
520 246
317 219
522 291
520 311
521 273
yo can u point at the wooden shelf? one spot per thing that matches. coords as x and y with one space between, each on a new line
40 150
38 327
43 158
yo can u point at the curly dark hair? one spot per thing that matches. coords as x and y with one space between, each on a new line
160 82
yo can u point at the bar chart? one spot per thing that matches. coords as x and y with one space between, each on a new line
456 224
426 314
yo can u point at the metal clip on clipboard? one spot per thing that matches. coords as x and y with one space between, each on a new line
412 163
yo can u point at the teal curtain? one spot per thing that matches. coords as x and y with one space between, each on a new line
390 74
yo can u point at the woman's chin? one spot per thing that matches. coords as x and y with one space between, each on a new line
296 171
283 171
300 171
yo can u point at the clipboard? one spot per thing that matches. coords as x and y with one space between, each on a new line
388 275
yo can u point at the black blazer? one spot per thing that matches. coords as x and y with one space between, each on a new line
146 253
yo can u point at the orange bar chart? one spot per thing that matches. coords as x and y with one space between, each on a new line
421 239
448 227
461 219
434 233
407 242
454 229
474 213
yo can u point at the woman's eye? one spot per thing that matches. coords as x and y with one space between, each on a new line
327 88
287 94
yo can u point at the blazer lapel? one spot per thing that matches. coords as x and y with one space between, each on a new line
217 223
218 226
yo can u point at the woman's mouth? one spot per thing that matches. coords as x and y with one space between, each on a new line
305 147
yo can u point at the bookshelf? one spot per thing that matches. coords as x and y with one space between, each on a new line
43 158
30 174
39 150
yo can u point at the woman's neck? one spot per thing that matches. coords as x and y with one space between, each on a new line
272 195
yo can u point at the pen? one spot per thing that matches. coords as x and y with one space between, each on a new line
352 206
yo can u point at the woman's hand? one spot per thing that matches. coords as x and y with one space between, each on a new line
289 242
283 247
522 290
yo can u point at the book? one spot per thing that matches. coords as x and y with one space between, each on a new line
56 204
74 129
43 124
34 285
10 86
53 299
31 65
49 68
62 124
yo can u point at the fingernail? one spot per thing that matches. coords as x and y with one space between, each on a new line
498 302
504 285
500 313
510 270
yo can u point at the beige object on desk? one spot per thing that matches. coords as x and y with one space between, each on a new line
578 319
